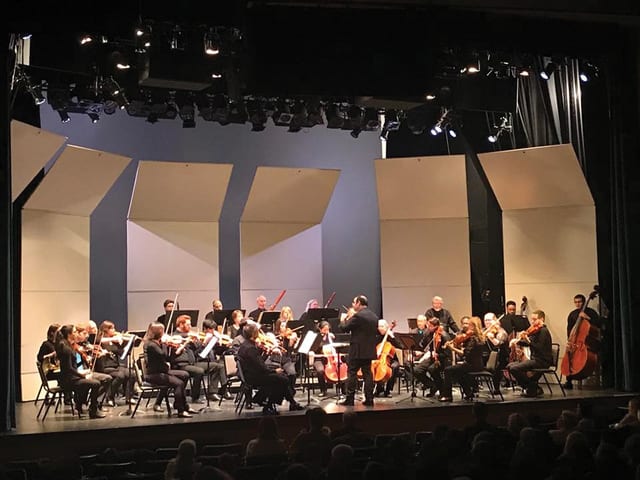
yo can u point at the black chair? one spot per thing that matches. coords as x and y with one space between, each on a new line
148 390
245 394
485 376
552 370
53 394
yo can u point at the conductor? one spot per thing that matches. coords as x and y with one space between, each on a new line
363 325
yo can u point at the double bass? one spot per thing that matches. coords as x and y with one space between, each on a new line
381 367
580 359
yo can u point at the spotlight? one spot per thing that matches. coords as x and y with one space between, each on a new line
452 133
109 107
211 43
430 96
504 126
523 71
64 116
95 118
548 70
282 115
371 119
588 71
86 39
391 123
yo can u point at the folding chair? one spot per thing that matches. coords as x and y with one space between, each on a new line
148 390
53 394
552 370
486 375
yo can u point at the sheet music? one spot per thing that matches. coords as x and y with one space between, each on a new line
307 342
206 350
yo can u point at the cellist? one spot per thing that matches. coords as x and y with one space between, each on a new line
385 388
584 312
326 339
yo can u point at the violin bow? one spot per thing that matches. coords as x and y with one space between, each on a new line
173 309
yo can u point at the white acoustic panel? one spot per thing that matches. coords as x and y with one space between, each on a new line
425 252
55 252
285 256
31 149
78 181
36 316
536 177
554 245
180 192
422 187
289 195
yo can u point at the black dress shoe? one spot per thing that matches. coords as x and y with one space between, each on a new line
568 385
347 402
95 413
323 393
295 406
269 410
184 415
214 397
388 394
445 399
368 403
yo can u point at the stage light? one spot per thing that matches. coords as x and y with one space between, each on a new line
391 123
371 119
176 41
216 76
504 126
95 118
430 96
548 70
282 115
452 132
85 39
211 42
110 107
588 72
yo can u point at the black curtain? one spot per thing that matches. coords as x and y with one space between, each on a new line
603 132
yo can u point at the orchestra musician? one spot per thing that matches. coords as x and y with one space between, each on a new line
469 345
304 318
113 343
213 360
89 351
580 311
497 340
215 305
159 373
385 388
446 320
512 322
168 305
185 357
235 329
363 325
47 354
538 338
421 326
435 357
261 302
80 382
283 357
272 384
326 338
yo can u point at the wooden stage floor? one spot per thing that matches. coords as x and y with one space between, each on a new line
64 435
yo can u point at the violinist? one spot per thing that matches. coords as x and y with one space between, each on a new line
272 385
185 357
435 357
235 329
385 388
110 363
421 326
469 345
538 338
586 313
497 340
81 383
47 354
215 363
283 357
363 325
159 373
88 351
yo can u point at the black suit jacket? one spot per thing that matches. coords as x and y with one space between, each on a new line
253 366
446 320
364 328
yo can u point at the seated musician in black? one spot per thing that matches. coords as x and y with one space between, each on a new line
326 338
81 383
92 351
47 354
185 357
111 364
469 345
538 338
385 388
214 360
497 340
159 373
272 385
421 326
235 328
435 357
284 357
215 306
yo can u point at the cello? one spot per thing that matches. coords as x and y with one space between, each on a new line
336 369
381 367
580 360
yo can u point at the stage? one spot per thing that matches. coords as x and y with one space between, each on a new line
64 435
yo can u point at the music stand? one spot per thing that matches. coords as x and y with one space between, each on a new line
170 325
268 318
127 351
219 316
308 342
409 342
318 314
205 354
412 323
